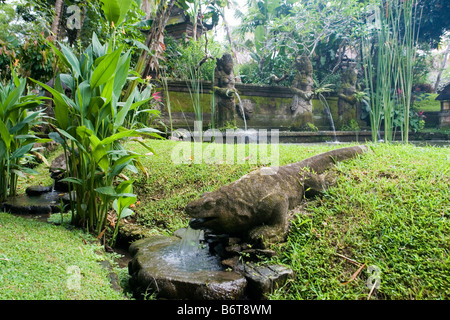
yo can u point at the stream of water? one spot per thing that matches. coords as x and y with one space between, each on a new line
242 110
330 116
190 254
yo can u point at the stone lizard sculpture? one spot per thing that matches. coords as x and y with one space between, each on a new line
256 206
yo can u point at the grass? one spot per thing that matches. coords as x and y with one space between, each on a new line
427 103
389 210
41 261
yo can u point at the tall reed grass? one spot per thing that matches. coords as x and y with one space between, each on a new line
389 50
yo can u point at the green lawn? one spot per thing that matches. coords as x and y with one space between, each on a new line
427 102
41 261
388 212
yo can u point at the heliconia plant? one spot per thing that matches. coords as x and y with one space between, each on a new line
90 125
18 115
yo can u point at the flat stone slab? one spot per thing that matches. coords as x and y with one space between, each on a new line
34 205
152 271
37 190
265 279
36 202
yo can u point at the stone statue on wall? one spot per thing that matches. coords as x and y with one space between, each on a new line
224 90
302 86
346 92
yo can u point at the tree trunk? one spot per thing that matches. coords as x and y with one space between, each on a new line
59 6
444 62
230 40
155 43
155 39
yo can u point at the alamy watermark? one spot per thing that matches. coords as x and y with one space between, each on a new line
374 279
74 17
234 146
73 281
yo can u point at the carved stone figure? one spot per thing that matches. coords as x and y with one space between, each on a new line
302 86
347 90
256 206
224 89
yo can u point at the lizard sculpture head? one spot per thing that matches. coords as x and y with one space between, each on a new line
213 211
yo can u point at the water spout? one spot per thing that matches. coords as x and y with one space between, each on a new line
190 242
242 110
189 254
330 117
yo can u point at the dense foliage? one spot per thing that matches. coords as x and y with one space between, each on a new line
17 117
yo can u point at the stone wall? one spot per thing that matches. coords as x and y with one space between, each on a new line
444 115
266 107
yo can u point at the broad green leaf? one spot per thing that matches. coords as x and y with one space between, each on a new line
121 74
111 192
124 7
83 96
59 54
125 187
14 96
151 132
86 61
105 69
120 164
57 84
5 135
83 132
95 104
142 46
18 173
20 152
62 104
101 157
72 59
121 115
70 137
25 121
97 47
139 103
126 212
116 10
67 79
73 180
99 152
62 114
111 9
16 79
108 91
56 137
117 136
142 143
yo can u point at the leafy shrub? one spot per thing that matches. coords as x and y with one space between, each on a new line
17 117
185 56
33 58
90 125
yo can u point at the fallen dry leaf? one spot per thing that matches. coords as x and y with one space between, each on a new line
353 277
